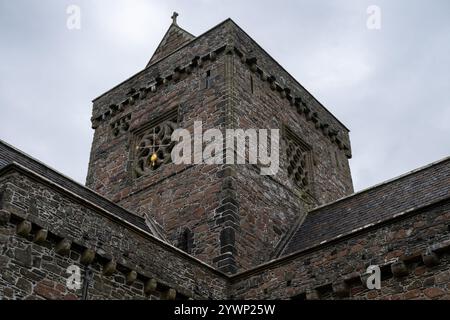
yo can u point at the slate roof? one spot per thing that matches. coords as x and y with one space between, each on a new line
3 163
9 154
416 189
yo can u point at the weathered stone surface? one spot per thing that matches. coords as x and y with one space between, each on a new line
63 247
399 269
110 268
87 257
169 294
341 289
4 217
23 256
150 286
312 294
35 262
24 228
46 289
131 277
433 293
430 259
24 285
40 236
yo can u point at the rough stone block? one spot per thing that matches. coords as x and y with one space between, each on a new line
150 286
23 256
131 277
312 294
109 268
341 289
5 216
40 236
430 259
169 294
24 228
87 256
63 247
399 269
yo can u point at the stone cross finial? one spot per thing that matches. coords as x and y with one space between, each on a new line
174 17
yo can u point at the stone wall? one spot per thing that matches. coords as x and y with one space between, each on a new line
183 199
227 216
270 205
275 102
45 229
413 253
233 224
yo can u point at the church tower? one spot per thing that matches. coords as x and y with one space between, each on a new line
229 216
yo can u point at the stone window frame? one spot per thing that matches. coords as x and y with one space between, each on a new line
289 134
208 79
186 240
173 114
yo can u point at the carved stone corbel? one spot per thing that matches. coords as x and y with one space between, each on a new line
169 294
131 277
150 286
87 256
63 247
40 236
24 228
109 268
399 269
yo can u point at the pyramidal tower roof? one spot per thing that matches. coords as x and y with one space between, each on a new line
174 38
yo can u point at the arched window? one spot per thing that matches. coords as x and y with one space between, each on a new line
186 240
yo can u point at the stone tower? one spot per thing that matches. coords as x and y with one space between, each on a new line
229 216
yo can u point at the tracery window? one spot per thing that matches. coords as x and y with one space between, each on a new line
153 145
299 160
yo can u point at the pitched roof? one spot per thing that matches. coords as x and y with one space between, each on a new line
174 38
10 155
382 202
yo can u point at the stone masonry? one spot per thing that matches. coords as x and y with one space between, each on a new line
224 79
145 228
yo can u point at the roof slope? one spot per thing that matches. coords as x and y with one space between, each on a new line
414 190
174 38
9 154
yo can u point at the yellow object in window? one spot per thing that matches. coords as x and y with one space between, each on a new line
153 159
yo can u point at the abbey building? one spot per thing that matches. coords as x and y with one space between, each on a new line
145 228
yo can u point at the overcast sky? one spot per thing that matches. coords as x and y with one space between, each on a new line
390 86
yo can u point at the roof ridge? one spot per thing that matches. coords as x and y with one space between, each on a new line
167 36
390 199
162 242
93 192
3 142
290 75
317 246
383 183
187 43
162 58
